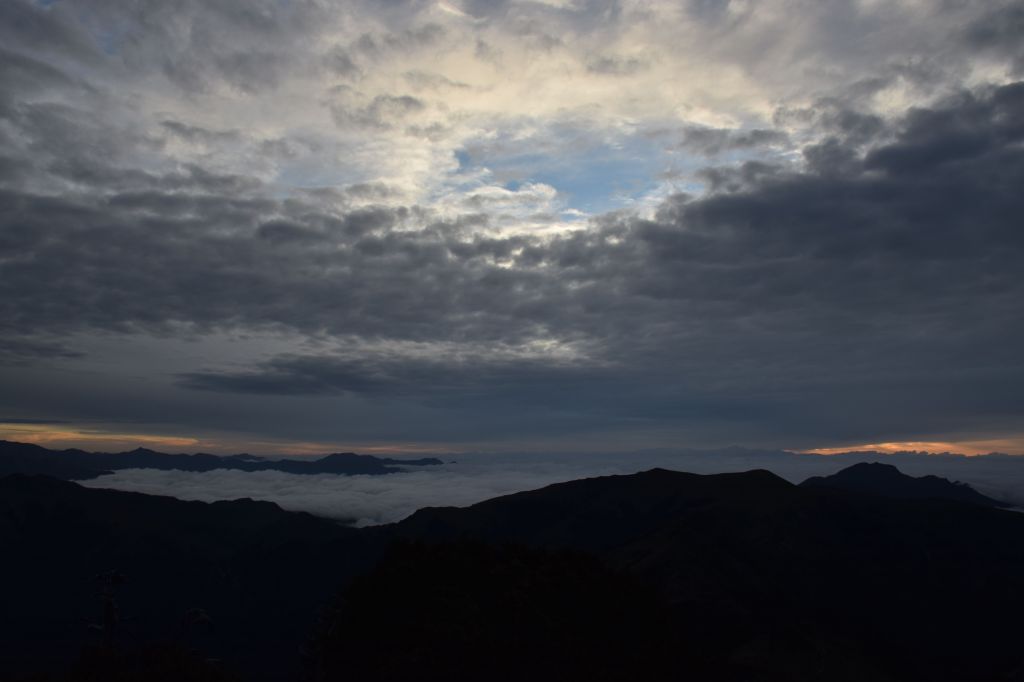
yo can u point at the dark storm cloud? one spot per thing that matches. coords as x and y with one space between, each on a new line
968 129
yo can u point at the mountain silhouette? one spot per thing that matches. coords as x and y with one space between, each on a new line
655 575
775 581
79 465
261 573
885 480
474 611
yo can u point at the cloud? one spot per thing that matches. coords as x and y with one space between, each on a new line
892 273
616 65
383 112
279 68
394 190
535 378
372 500
714 141
16 349
197 134
997 33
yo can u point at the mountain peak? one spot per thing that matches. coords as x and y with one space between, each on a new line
339 457
873 469
885 480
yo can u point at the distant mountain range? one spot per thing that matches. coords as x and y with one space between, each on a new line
659 575
79 465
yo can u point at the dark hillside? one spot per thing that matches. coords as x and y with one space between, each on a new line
260 573
741 576
778 575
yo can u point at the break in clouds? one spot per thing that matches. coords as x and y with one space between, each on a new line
500 224
372 500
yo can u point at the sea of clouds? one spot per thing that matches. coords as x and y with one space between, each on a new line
467 479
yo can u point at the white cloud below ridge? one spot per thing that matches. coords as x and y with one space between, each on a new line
373 500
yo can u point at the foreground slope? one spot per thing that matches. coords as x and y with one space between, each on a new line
656 575
258 572
781 582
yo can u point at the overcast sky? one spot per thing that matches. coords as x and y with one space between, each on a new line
411 225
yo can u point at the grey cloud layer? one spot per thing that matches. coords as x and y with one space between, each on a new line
941 194
866 285
892 272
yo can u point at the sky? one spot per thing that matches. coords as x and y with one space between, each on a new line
512 225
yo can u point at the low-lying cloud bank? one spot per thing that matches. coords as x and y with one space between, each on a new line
372 500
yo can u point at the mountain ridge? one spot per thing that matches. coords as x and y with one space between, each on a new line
885 480
75 464
754 578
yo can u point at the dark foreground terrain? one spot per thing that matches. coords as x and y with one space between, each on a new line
654 576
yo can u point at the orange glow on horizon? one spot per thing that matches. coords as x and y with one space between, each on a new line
968 448
71 436
46 435
96 438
